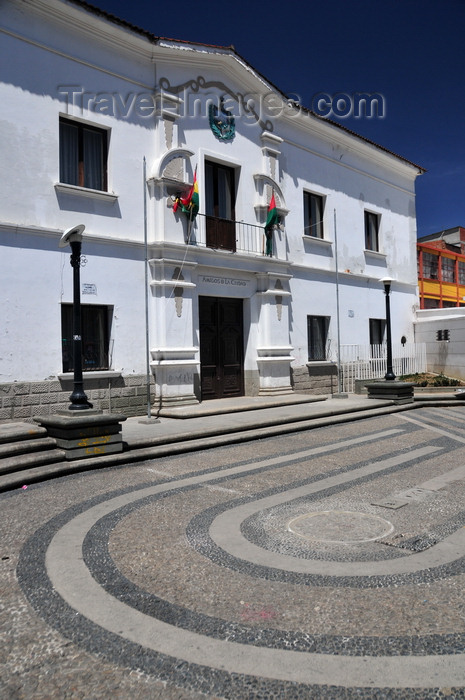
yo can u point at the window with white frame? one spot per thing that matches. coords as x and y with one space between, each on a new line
95 334
83 155
317 333
372 231
313 215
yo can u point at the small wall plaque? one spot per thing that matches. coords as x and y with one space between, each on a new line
89 289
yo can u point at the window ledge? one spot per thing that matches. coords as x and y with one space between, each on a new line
85 192
98 374
318 241
374 254
320 363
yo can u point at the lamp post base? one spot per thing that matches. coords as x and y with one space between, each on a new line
399 392
79 400
80 406
85 434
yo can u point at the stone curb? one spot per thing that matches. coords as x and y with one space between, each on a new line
164 446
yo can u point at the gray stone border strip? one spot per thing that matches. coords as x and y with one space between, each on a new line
73 581
225 531
106 573
32 575
211 680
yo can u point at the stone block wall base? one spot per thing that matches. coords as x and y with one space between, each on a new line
275 390
315 378
85 433
22 401
399 392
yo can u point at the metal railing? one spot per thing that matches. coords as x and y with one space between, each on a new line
365 362
225 234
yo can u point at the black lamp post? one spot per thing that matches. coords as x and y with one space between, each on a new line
73 237
389 376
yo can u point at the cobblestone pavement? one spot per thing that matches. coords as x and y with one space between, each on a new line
326 564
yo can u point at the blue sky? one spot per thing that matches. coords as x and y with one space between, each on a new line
412 52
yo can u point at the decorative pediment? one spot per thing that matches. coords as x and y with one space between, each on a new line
174 167
245 106
265 187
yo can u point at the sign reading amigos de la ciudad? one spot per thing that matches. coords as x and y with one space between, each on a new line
224 281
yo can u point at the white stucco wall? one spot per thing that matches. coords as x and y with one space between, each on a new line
443 356
37 278
57 46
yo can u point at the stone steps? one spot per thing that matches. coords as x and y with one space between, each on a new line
12 432
27 455
25 446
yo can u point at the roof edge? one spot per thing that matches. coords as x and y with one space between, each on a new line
153 38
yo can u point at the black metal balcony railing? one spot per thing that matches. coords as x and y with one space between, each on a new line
224 234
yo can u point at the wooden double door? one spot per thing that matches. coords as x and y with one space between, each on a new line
221 347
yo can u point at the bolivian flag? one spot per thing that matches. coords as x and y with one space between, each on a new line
271 220
190 204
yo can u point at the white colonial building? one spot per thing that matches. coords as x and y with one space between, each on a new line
106 125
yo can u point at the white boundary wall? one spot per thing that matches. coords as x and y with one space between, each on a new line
445 356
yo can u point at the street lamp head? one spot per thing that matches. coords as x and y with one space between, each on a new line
387 281
72 235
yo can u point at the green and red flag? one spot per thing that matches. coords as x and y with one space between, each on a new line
271 220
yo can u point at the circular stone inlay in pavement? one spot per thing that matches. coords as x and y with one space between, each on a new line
340 527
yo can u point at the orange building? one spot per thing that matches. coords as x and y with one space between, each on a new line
441 269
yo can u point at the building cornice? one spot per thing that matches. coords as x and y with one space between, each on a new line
80 18
70 57
120 35
356 169
209 257
55 234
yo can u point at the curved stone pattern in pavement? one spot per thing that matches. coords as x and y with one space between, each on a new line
215 592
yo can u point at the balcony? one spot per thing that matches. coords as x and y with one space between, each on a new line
233 236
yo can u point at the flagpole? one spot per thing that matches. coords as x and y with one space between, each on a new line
340 394
150 418
189 225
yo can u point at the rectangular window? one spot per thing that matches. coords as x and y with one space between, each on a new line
461 272
220 198
448 269
95 333
431 303
430 266
377 330
313 215
83 155
371 231
317 332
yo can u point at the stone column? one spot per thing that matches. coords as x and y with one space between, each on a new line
175 362
273 349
